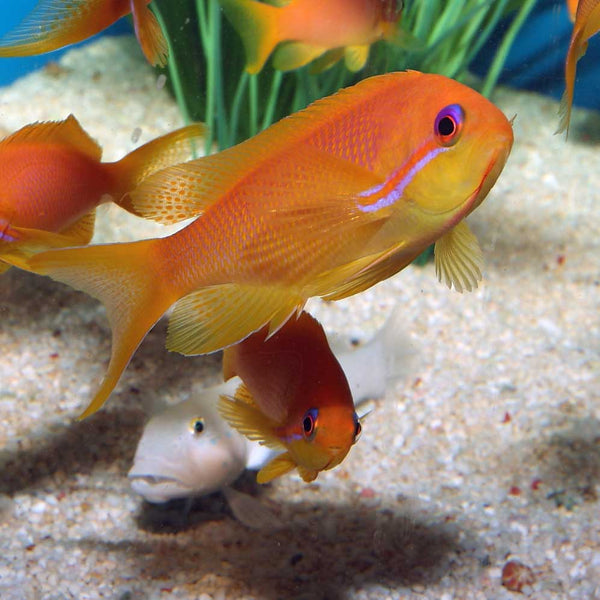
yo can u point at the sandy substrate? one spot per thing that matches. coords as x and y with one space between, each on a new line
486 448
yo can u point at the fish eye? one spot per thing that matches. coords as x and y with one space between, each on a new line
196 425
448 124
309 422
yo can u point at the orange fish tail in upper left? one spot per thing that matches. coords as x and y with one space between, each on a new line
121 276
54 24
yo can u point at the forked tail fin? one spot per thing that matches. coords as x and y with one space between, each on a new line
122 277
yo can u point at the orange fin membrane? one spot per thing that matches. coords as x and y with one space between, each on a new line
53 24
118 276
149 34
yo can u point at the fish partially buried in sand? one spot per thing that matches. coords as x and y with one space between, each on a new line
301 31
326 202
54 24
188 450
586 25
52 180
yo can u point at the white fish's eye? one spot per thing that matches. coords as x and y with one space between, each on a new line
196 425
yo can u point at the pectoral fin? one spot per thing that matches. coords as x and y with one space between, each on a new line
459 259
327 60
149 34
356 57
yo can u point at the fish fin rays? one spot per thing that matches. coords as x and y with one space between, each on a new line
458 258
280 465
68 132
149 34
242 413
82 230
356 57
215 317
307 475
117 275
326 60
293 55
250 511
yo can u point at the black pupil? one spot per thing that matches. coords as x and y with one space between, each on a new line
198 426
307 424
446 126
357 430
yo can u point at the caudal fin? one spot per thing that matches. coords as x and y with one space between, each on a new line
257 24
165 151
121 277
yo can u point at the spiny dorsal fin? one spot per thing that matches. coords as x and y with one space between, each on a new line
68 133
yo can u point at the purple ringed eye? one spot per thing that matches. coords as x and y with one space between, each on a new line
448 124
309 422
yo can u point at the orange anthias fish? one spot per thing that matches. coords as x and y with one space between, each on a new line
294 397
54 24
326 202
52 180
305 30
587 24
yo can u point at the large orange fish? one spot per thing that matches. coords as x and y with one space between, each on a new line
326 202
572 8
294 397
54 24
52 180
304 30
587 24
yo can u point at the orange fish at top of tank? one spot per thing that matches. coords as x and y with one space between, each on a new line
294 397
587 24
52 180
326 202
305 30
54 24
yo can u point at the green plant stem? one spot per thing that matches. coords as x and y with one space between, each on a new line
240 90
253 105
273 93
502 53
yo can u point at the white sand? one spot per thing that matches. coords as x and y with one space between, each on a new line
486 449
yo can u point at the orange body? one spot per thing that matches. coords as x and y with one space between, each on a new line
302 399
307 29
54 24
52 180
587 24
324 203
572 8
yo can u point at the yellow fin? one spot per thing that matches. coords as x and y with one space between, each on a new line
307 475
326 60
280 465
153 157
258 26
242 414
119 275
458 258
149 34
215 317
68 133
4 267
82 230
356 57
293 55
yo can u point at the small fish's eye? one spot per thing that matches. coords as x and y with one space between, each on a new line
309 422
448 124
196 425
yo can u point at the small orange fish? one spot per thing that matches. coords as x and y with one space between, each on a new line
587 24
304 30
326 202
52 180
294 397
54 24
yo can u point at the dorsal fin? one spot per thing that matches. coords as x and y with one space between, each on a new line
68 133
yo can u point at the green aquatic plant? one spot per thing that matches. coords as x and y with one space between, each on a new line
206 65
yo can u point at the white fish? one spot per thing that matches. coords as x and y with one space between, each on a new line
188 450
